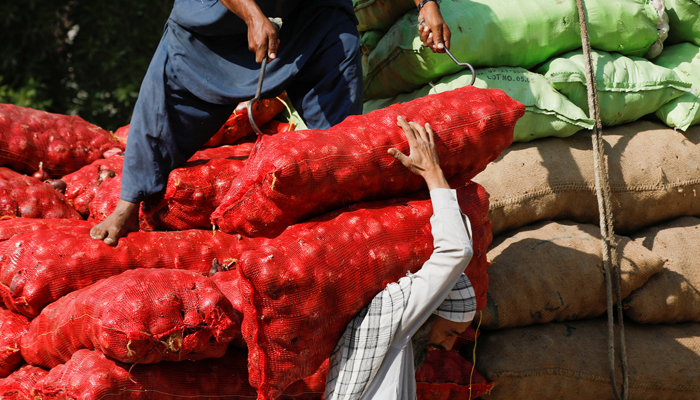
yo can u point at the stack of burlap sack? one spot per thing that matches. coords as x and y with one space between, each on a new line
544 330
545 334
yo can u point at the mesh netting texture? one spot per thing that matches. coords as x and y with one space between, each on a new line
91 375
302 288
227 282
140 316
63 143
82 184
192 193
12 327
26 196
293 177
12 227
238 125
39 267
19 384
446 375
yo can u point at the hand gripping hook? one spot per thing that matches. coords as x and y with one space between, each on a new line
277 23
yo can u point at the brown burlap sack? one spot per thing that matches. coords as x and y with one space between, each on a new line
654 176
672 295
570 361
554 272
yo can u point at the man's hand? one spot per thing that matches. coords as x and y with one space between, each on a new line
432 28
262 35
262 38
423 159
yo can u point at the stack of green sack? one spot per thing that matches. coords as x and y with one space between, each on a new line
531 50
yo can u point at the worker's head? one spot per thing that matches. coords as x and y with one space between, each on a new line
449 321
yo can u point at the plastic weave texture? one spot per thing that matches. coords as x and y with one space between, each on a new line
192 193
238 125
302 288
26 196
19 384
12 327
295 176
39 267
91 375
82 184
140 316
446 375
63 143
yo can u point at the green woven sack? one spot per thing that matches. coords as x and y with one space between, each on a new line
684 20
368 42
380 14
685 110
628 87
493 33
548 112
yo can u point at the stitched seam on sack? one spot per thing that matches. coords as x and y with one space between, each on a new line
397 51
577 77
581 123
555 189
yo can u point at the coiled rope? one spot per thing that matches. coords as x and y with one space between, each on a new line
602 184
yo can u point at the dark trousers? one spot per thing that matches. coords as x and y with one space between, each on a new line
170 123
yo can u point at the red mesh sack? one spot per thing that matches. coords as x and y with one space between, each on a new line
292 177
302 288
12 326
19 384
26 196
239 151
227 282
82 184
91 375
12 227
64 143
238 125
122 134
193 191
273 127
269 128
140 316
39 267
446 375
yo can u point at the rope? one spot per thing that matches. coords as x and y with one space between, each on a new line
610 258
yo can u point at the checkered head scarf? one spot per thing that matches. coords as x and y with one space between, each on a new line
460 303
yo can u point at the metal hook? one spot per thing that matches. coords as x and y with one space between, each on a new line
462 64
257 97
277 23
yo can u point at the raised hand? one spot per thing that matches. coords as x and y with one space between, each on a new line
423 159
432 28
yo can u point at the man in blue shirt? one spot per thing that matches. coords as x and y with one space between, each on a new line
208 61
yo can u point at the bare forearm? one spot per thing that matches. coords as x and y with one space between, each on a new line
247 10
262 35
435 179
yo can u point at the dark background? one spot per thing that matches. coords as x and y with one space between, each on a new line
84 57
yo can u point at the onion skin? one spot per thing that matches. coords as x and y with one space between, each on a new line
57 184
41 174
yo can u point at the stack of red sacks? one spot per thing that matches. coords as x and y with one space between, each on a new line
308 227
